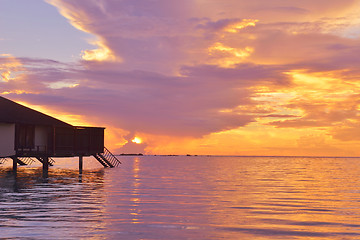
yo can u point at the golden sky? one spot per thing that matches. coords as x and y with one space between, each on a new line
227 77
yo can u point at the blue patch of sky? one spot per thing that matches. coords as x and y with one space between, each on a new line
35 29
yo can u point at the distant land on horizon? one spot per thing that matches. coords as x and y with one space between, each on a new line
209 155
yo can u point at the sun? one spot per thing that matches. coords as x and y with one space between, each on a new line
137 140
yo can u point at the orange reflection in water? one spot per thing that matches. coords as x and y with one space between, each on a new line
37 203
135 201
306 198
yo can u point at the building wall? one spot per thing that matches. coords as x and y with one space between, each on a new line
7 139
41 138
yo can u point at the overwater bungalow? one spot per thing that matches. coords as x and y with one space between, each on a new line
27 135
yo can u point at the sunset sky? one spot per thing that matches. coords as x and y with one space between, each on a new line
228 77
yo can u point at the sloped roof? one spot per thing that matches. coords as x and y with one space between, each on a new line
12 112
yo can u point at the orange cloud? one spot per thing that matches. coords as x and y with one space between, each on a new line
228 56
234 28
9 67
103 53
282 80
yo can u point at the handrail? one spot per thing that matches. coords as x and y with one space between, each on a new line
27 160
50 160
107 159
110 157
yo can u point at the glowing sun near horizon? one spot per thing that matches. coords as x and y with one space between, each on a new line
137 140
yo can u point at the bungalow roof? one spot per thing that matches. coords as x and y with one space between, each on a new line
12 112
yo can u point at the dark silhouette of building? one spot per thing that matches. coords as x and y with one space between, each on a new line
26 133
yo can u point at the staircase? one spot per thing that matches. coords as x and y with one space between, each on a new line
25 161
51 161
2 160
107 159
21 161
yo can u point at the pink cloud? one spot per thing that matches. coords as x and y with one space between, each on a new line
166 83
150 102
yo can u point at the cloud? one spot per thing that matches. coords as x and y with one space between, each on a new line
348 133
149 102
183 69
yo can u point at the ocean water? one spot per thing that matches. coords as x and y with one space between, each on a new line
179 197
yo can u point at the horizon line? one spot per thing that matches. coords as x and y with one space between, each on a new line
214 155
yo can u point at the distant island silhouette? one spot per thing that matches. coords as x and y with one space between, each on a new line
131 154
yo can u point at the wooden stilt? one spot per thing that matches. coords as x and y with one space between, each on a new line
45 173
14 163
45 163
80 164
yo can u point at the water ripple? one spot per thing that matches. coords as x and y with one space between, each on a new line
185 198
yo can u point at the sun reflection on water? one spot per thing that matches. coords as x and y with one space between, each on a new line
135 192
186 198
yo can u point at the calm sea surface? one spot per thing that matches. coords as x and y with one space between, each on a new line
158 197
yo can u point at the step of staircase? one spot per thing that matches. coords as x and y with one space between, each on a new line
107 159
51 161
